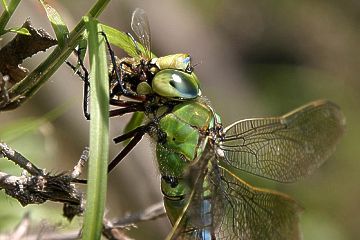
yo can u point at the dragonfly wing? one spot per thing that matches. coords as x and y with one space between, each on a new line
140 26
285 148
195 222
221 206
251 213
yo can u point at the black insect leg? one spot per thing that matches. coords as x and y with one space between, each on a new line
136 136
124 91
122 111
126 107
123 103
86 91
85 78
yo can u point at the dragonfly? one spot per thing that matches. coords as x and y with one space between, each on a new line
200 160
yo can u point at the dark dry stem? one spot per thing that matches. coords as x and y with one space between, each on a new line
13 54
37 187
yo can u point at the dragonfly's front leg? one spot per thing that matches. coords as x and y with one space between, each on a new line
124 91
85 77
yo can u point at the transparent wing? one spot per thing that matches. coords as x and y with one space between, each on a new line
251 213
195 222
223 207
140 26
285 148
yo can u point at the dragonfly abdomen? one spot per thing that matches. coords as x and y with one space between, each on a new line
198 220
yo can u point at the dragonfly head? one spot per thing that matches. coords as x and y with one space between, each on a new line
176 84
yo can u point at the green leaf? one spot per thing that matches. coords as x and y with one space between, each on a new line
123 41
99 132
81 50
4 3
19 30
83 46
60 28
7 13
120 39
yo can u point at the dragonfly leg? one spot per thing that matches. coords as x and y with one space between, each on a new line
85 77
124 91
142 129
122 111
126 107
136 136
123 103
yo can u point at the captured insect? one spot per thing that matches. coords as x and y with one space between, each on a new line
199 160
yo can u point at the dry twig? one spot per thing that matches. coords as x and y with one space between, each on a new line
35 186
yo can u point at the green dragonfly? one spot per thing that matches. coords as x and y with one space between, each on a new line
199 159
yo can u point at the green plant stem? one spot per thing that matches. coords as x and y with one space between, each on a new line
99 132
23 90
5 16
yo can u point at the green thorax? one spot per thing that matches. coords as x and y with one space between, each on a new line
185 128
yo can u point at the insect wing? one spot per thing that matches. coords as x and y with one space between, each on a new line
251 213
140 26
196 221
285 148
233 209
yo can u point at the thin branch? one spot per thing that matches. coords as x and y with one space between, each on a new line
151 213
36 187
22 228
19 159
113 230
81 163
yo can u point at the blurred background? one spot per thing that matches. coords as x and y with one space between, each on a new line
255 58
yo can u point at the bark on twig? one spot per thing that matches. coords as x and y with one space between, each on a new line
36 187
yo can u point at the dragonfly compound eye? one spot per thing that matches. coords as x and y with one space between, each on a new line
176 84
